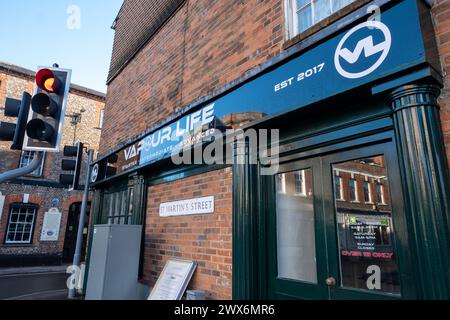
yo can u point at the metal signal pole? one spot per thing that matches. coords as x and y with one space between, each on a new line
77 255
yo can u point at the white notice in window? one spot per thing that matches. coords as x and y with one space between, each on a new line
51 224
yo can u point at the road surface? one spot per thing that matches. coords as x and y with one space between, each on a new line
34 286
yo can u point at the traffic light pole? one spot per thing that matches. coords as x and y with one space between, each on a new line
77 255
20 172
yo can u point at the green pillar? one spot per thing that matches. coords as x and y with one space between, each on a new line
425 180
245 275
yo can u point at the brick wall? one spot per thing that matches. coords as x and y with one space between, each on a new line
12 84
203 238
204 46
42 198
441 17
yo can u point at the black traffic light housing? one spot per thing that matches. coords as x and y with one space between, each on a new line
15 132
74 165
48 107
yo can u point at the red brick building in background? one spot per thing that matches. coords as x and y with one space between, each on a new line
25 201
171 58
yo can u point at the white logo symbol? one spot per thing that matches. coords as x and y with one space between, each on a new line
364 45
94 173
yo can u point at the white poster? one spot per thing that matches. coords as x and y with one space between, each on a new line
173 280
2 203
187 207
51 225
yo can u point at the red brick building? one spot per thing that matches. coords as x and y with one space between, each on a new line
359 93
24 202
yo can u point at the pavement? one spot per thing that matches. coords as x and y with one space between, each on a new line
34 283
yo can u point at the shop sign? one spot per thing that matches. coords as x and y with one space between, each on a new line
203 205
364 53
51 225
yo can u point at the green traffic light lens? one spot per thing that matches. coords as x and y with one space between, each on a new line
40 130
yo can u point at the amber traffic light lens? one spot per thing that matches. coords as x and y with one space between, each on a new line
49 83
43 104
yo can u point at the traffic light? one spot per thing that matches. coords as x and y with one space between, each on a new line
74 165
48 107
15 132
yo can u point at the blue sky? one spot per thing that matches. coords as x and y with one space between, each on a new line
42 32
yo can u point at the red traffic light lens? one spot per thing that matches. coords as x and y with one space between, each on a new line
46 80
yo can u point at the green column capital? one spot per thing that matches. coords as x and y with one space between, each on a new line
414 95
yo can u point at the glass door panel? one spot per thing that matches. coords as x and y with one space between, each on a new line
295 226
365 230
297 242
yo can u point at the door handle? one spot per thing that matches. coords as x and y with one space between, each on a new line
331 282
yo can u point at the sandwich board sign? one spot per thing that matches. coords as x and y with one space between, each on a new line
174 279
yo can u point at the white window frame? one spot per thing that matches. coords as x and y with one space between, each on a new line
101 119
31 224
369 189
36 173
341 187
302 173
283 183
356 189
383 201
291 16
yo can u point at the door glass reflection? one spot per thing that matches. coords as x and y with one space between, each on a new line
365 230
295 226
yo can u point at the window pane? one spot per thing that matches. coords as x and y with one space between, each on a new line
339 4
20 224
366 191
367 250
295 232
300 182
338 187
380 197
281 183
322 10
26 158
302 3
352 184
304 19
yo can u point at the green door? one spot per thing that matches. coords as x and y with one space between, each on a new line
336 228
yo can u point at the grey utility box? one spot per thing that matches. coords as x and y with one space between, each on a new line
114 263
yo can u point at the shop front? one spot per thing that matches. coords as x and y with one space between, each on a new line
358 205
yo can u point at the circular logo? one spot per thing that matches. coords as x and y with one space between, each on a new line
94 173
55 202
365 46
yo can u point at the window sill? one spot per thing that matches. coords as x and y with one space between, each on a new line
16 245
324 23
